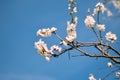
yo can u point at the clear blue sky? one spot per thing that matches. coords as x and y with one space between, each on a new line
19 21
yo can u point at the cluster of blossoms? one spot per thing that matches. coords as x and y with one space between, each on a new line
71 30
99 8
90 21
71 33
42 47
46 32
43 50
71 26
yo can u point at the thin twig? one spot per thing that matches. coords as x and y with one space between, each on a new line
96 35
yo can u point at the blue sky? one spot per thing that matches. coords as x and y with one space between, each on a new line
19 21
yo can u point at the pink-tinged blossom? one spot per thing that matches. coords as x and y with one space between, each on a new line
89 21
100 27
42 49
46 32
111 37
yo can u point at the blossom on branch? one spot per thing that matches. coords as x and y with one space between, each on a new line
99 7
46 32
100 27
43 50
111 37
70 39
89 21
96 10
57 48
71 30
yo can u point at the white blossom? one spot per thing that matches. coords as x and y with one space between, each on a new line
100 7
91 77
46 32
47 59
89 21
72 33
109 64
57 48
71 28
69 7
42 49
118 74
70 38
53 29
111 37
71 25
100 27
